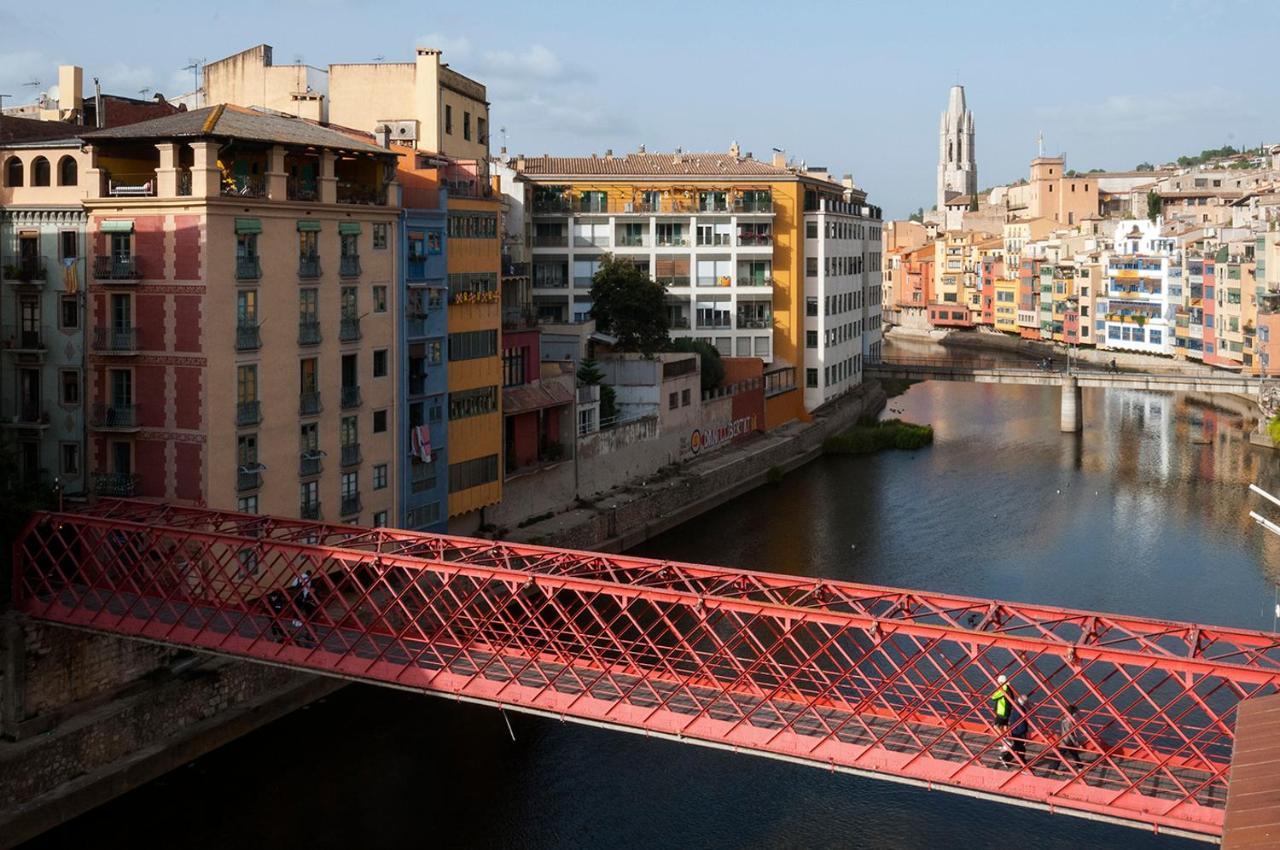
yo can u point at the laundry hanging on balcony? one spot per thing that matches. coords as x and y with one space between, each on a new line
420 443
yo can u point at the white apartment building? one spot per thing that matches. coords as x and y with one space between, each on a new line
842 277
1143 286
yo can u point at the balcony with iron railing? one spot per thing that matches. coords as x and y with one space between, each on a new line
248 413
714 239
631 240
308 403
121 485
244 185
350 396
309 510
248 479
349 265
754 280
415 268
309 267
309 464
115 340
550 240
115 416
248 336
308 332
354 192
415 325
754 321
29 413
248 267
755 240
351 454
298 189
351 504
417 384
25 339
673 280
116 268
349 329
26 271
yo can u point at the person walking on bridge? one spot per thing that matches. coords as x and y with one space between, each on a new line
1002 701
1014 749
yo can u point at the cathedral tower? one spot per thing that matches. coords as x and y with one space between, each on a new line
957 166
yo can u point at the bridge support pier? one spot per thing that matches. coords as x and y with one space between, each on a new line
1072 419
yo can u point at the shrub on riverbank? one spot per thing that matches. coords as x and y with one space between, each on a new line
868 437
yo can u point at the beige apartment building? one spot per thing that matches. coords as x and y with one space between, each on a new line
242 301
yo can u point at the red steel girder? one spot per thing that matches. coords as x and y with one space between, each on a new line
846 676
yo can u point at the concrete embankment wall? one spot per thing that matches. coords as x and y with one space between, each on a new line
629 515
88 717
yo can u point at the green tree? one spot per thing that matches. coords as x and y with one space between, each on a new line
589 375
709 361
973 202
1144 166
918 215
1154 205
630 305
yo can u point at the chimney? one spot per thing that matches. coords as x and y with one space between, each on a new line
779 159
519 162
608 153
382 136
641 149
98 117
734 150
70 87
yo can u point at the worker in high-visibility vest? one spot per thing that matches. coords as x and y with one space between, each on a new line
1002 699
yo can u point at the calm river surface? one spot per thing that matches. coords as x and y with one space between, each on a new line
1144 513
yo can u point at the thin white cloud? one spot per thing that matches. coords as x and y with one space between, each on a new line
536 61
1132 112
456 48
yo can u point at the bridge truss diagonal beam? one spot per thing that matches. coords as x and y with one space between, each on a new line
851 677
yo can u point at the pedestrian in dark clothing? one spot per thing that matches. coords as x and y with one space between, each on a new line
1070 739
275 603
1015 746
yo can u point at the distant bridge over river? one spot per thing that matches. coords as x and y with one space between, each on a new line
1071 380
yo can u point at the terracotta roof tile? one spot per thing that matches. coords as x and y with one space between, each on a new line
652 164
238 122
16 130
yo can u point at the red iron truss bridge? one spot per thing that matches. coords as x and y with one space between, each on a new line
874 681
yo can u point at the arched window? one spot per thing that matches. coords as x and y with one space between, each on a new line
68 171
13 172
40 171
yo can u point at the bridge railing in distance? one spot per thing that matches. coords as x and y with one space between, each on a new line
857 678
976 361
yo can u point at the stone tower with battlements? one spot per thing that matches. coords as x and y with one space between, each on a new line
957 166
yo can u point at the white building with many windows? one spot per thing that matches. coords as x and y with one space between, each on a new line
842 251
1143 287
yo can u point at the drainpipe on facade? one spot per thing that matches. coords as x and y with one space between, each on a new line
97 104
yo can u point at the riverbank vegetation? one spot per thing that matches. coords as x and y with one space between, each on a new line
870 436
896 386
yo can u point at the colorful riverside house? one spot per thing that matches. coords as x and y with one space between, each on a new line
422 455
474 352
42 278
244 283
1136 315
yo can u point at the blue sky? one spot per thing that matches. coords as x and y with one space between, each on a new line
854 86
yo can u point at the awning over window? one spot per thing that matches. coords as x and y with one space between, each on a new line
348 227
248 225
308 224
117 225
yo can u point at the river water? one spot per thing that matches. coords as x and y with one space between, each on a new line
1146 513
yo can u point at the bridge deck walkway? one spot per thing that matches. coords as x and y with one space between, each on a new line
642 700
1252 819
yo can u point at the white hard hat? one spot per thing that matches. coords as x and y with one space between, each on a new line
1001 679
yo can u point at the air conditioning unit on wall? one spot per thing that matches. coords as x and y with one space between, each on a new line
402 131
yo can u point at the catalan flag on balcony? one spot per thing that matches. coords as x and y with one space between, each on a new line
70 278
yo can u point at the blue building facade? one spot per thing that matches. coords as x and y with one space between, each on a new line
424 379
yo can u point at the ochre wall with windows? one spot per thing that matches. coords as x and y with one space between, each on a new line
476 436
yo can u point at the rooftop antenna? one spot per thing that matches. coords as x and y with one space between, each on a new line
1040 144
379 58
193 65
144 91
503 131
